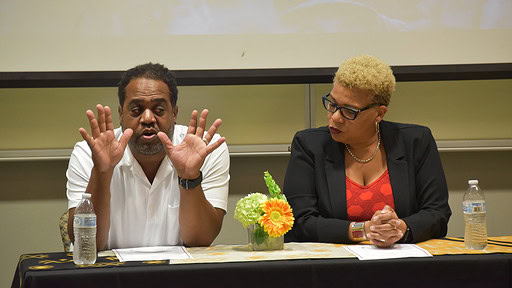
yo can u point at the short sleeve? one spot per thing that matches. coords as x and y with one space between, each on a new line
216 176
78 173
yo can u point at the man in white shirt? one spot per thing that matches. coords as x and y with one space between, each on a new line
147 189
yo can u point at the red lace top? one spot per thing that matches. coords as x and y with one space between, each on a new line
364 201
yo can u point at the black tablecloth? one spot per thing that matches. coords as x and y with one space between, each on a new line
58 270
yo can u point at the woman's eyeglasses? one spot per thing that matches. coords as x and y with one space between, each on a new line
347 112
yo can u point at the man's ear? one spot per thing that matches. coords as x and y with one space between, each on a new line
120 112
175 113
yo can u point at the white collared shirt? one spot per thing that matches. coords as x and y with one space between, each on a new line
141 213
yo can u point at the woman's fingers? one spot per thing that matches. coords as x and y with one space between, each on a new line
384 215
381 240
387 230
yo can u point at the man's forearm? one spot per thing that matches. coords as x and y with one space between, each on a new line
99 187
200 222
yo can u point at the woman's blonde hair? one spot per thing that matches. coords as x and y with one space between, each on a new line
369 73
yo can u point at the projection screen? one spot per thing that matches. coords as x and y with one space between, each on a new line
70 35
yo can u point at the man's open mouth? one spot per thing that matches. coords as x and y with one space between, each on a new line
149 134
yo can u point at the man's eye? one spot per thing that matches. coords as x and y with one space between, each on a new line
135 110
159 110
332 106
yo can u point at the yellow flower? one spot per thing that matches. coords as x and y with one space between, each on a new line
278 218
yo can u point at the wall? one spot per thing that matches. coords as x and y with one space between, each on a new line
49 118
454 110
32 193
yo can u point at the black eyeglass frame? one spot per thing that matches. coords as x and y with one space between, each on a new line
341 108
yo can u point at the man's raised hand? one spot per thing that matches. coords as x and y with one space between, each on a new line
189 155
107 151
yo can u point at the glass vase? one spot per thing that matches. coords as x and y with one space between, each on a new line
259 240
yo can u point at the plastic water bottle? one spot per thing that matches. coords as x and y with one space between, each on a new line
475 234
84 229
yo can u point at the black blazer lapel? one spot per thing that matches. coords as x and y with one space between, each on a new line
335 172
397 168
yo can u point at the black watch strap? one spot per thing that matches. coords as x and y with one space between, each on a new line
407 236
190 183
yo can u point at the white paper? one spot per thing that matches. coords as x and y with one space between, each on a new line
371 252
151 253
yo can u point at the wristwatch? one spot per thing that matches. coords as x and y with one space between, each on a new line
407 236
190 183
358 231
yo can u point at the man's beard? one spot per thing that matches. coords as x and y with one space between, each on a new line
151 148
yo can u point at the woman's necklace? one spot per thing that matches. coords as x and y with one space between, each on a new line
369 159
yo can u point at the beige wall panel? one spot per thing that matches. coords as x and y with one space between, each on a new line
49 118
320 116
454 110
251 114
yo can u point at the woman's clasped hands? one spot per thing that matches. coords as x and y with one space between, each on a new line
385 228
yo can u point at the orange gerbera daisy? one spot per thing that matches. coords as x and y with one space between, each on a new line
278 218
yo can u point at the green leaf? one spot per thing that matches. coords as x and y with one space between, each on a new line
273 188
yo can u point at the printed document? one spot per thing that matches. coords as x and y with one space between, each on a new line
371 252
151 253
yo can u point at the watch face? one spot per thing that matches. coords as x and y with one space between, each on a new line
357 234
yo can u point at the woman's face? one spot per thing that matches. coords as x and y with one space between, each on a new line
362 128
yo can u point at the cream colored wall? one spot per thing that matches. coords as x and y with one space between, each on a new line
454 110
32 193
49 118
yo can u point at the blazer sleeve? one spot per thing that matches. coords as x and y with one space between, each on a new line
433 210
305 187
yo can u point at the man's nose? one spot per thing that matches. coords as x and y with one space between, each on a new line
148 117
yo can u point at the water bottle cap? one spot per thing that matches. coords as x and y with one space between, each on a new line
86 196
473 182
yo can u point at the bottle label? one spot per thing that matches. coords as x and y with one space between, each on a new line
473 207
84 221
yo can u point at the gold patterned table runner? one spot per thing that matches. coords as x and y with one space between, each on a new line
309 250
455 245
241 253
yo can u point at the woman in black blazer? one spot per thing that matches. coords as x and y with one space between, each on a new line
362 178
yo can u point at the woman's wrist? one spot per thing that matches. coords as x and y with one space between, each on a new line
358 231
406 232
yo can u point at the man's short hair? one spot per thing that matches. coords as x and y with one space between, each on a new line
153 71
369 73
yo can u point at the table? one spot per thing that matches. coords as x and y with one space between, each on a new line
463 270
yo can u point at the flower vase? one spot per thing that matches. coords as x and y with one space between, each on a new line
259 240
